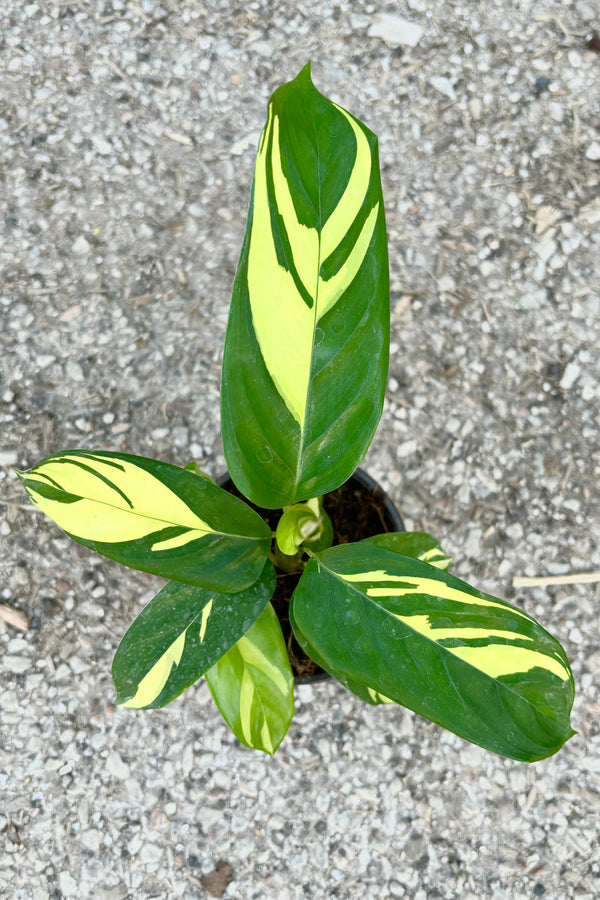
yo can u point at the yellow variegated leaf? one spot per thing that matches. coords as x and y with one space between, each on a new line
152 516
306 352
252 685
117 500
180 634
391 625
303 296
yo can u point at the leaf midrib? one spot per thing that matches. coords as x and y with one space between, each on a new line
299 458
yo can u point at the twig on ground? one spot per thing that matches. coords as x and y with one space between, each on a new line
546 580
14 617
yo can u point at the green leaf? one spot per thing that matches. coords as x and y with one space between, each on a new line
417 544
152 516
306 353
295 525
369 694
322 537
253 685
366 693
180 634
468 661
304 525
195 468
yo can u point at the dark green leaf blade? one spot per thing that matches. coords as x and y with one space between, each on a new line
366 693
152 516
417 544
306 353
427 640
253 685
180 634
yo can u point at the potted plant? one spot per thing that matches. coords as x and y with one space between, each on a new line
304 373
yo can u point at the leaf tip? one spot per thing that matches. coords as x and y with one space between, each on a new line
122 700
304 76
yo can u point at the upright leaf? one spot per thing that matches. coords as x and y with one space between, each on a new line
253 685
306 352
152 516
179 635
422 638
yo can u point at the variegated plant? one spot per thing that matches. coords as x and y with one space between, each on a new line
304 373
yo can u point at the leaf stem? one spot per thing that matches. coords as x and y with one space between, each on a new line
284 562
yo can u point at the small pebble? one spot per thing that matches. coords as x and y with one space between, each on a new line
115 766
395 30
593 151
570 375
16 664
81 246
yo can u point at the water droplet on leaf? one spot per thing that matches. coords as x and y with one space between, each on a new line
391 628
337 324
264 455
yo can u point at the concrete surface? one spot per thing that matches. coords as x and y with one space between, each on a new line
127 137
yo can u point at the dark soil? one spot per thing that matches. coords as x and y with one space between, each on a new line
356 512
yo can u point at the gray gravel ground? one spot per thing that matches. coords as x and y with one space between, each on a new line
127 135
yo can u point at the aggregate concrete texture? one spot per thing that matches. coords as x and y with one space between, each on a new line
127 140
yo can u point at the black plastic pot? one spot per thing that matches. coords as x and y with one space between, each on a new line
388 519
395 519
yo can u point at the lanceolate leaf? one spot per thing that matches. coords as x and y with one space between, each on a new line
253 685
421 637
152 516
417 544
179 635
306 353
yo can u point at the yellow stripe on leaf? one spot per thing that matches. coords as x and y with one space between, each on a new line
179 540
498 659
436 557
246 699
304 240
494 659
153 683
377 697
252 656
206 610
119 501
274 295
422 586
331 290
266 738
335 228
